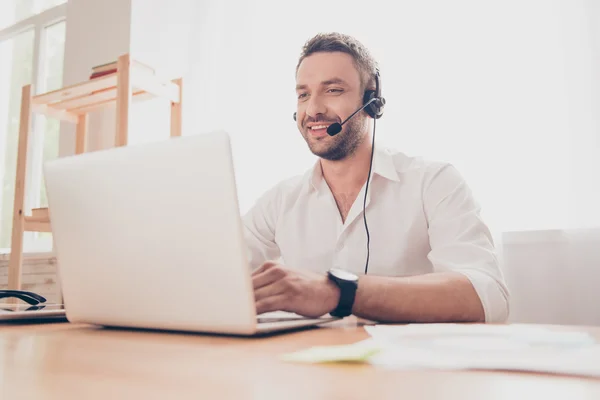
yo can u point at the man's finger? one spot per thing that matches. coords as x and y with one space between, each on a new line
272 303
272 289
265 266
267 277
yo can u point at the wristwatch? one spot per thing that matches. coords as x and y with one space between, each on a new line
348 283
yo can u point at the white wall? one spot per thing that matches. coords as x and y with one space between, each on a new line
160 37
154 32
553 276
97 32
582 66
504 90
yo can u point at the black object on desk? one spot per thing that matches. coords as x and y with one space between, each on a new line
28 297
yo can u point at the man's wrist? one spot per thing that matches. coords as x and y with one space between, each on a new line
334 293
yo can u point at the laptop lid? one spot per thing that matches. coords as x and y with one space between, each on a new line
150 236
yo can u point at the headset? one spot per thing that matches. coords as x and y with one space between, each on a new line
375 108
373 104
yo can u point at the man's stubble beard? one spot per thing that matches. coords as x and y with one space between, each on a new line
344 144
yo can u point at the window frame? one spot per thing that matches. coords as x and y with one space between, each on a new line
38 23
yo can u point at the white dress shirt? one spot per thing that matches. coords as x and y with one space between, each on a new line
421 216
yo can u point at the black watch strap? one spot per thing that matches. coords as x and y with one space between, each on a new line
344 307
347 295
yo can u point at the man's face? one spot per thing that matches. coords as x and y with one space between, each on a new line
328 90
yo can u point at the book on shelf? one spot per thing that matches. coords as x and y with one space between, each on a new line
111 68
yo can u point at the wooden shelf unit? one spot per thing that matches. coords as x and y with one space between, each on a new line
131 82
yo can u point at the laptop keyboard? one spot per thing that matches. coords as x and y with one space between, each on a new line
264 320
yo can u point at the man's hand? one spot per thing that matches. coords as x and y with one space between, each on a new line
277 288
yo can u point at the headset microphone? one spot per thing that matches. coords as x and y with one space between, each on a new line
336 128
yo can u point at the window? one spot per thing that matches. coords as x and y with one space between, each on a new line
32 35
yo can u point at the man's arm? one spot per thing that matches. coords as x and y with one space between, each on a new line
435 297
259 229
467 284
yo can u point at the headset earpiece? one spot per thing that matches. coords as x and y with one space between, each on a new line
375 109
371 109
294 116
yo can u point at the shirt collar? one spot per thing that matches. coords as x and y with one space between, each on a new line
383 165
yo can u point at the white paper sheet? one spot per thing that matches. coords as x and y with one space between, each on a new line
488 347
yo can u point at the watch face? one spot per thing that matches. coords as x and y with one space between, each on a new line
344 275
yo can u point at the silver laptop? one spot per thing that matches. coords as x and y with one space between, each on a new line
29 313
150 236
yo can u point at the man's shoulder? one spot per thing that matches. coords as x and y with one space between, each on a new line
289 186
411 165
436 179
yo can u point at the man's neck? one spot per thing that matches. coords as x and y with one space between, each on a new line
349 174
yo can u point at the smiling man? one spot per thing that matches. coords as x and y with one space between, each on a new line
430 256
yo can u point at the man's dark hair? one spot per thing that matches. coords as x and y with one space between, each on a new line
332 42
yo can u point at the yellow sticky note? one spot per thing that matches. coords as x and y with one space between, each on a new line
356 352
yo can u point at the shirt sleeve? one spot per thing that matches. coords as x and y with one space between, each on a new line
461 241
259 229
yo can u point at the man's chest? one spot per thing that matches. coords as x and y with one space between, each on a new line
317 239
344 202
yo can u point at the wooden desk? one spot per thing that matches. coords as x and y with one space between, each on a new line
67 361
